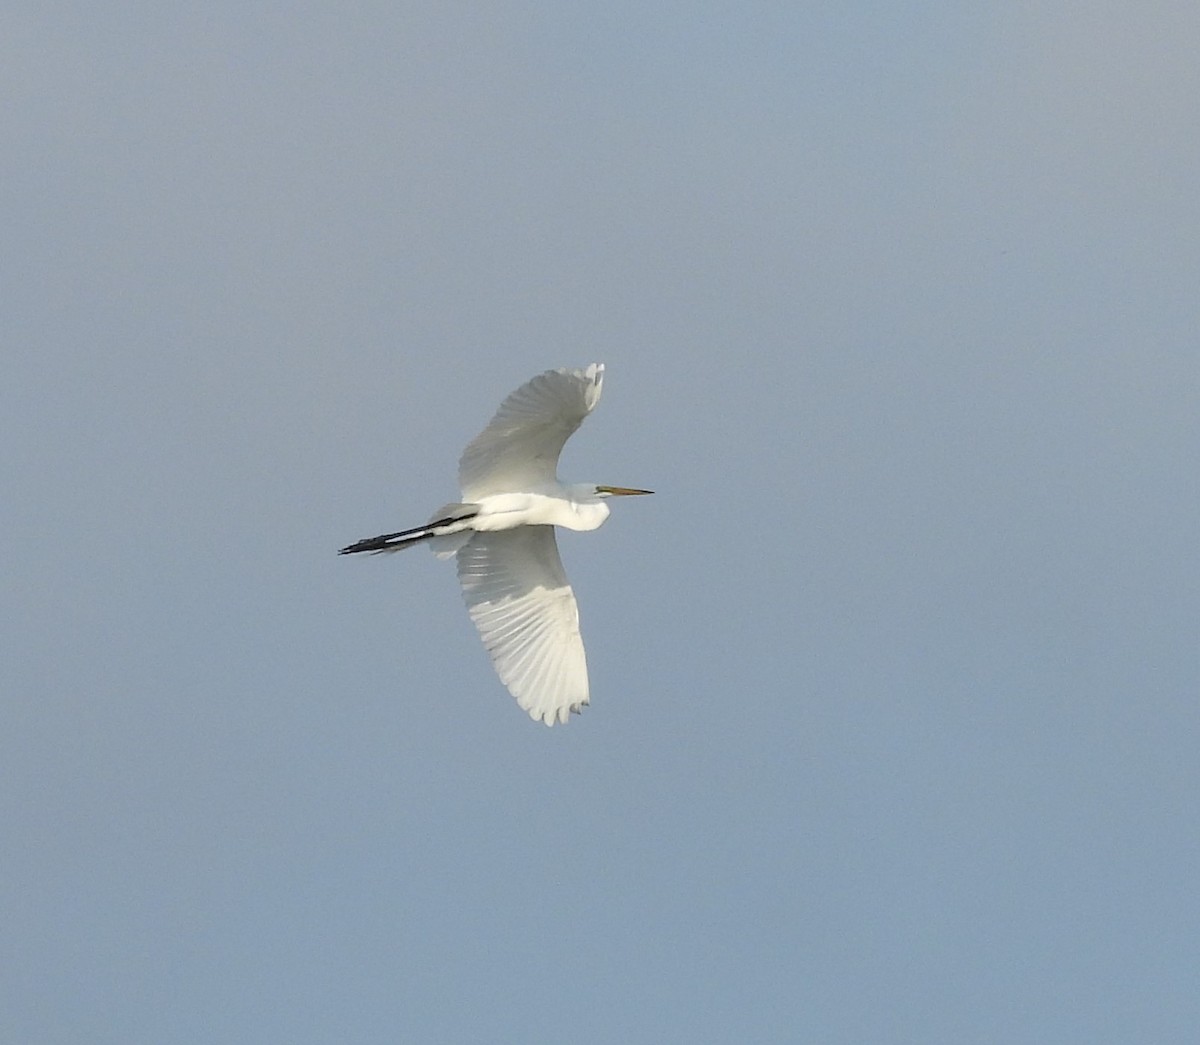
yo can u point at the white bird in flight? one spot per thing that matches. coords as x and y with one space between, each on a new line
502 534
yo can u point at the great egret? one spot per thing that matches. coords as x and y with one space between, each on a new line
502 533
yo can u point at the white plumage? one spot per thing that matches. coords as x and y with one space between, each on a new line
520 447
520 600
502 534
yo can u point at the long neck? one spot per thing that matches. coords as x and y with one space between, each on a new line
588 508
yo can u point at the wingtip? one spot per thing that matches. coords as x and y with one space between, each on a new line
593 372
550 717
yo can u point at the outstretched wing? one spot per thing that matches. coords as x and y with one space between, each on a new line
519 449
521 602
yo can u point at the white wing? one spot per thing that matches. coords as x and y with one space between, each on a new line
521 602
519 448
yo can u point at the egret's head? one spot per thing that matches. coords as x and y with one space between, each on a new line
618 491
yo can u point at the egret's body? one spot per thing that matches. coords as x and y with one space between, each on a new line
502 535
573 507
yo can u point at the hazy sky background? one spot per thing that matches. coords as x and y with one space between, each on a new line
895 682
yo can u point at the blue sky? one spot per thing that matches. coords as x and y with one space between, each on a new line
894 719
